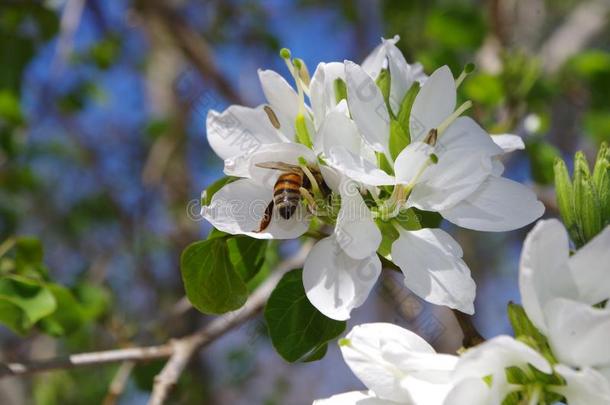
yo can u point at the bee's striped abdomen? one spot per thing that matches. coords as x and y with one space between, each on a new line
286 194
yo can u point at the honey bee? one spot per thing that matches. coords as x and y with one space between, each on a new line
287 190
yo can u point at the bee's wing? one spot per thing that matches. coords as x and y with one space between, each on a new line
286 167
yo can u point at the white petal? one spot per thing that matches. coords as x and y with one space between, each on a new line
584 387
367 107
578 333
492 357
354 398
334 282
278 152
471 391
433 267
238 208
458 174
239 130
332 177
364 355
358 167
543 274
464 132
282 99
508 142
402 76
498 205
322 89
433 104
338 130
375 61
356 231
590 267
410 161
431 367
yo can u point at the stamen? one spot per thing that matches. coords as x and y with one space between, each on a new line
460 110
468 69
430 139
272 117
310 177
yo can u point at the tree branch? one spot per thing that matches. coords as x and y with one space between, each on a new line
179 350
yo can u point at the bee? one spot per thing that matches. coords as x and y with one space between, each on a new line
287 190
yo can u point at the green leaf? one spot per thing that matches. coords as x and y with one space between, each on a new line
95 300
485 89
35 300
247 255
399 139
69 315
388 235
206 196
297 329
28 250
211 283
404 115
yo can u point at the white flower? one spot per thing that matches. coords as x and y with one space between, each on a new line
396 365
465 186
566 297
491 359
239 131
341 269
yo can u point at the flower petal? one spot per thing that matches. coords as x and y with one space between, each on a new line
411 161
431 261
464 132
239 130
492 357
578 333
282 98
471 391
334 282
458 173
364 355
433 104
543 274
238 208
357 167
322 89
288 153
402 75
498 205
356 231
375 60
367 107
354 398
583 387
338 130
590 269
508 142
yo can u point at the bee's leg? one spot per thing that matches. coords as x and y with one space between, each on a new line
266 218
311 202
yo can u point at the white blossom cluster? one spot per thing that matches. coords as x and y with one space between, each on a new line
386 139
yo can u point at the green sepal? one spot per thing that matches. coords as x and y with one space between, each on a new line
340 90
405 107
384 82
527 332
565 197
300 125
399 138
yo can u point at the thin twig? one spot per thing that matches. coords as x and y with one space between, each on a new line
204 336
472 337
185 348
119 383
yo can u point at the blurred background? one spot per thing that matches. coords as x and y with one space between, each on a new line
103 156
